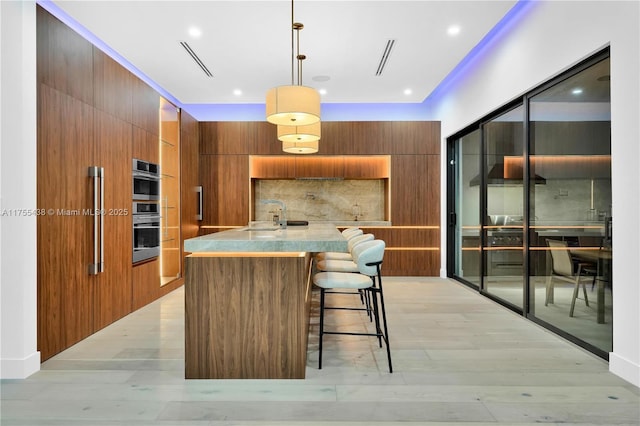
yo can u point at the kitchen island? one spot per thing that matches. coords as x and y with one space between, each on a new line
248 298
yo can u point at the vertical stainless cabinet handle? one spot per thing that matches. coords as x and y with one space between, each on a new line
199 191
102 214
93 267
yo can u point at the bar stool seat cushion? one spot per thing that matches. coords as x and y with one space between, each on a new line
341 280
333 255
337 266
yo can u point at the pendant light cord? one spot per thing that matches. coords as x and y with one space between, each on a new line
292 44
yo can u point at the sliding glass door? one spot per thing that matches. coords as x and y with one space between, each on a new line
570 215
530 205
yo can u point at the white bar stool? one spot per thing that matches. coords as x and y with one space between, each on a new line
343 262
368 257
338 255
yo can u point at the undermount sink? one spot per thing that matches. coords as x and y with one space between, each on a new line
297 223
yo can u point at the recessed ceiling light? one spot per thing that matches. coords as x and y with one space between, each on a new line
237 92
322 91
195 32
576 91
453 30
408 91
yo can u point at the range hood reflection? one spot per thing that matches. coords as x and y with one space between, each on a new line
498 177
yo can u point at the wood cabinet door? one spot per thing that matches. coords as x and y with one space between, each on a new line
232 189
72 303
273 167
64 154
358 167
319 167
113 151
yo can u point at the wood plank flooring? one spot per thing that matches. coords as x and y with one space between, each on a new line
459 359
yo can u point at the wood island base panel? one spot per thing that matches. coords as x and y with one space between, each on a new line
247 315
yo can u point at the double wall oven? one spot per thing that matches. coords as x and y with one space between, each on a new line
146 210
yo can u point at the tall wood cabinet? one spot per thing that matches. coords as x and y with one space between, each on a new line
91 112
72 302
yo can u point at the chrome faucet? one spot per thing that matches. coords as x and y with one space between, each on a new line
282 219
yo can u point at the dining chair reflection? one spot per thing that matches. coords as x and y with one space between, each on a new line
562 267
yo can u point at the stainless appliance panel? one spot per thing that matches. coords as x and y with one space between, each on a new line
146 237
145 180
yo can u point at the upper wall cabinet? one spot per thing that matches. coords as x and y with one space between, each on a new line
113 86
338 138
237 138
145 107
380 138
64 58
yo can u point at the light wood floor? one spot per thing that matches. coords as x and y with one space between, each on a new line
459 359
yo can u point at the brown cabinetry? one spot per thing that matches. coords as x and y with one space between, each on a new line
371 167
72 303
273 167
415 190
91 112
319 167
113 153
225 181
405 154
145 146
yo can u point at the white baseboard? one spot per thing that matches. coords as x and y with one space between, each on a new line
624 368
20 368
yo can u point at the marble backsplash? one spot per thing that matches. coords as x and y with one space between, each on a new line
319 199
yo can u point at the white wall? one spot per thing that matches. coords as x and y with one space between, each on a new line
548 38
18 354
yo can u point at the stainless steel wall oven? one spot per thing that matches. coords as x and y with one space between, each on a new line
146 180
146 231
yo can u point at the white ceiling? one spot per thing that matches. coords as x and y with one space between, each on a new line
247 44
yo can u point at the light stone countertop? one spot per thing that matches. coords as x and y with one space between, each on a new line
264 237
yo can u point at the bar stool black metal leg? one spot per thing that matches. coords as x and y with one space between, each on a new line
321 334
376 314
384 323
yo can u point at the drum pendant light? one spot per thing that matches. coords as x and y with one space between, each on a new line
293 105
300 147
308 133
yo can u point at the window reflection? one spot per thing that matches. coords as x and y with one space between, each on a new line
570 147
503 159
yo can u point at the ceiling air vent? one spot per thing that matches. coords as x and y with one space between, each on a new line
385 56
196 58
